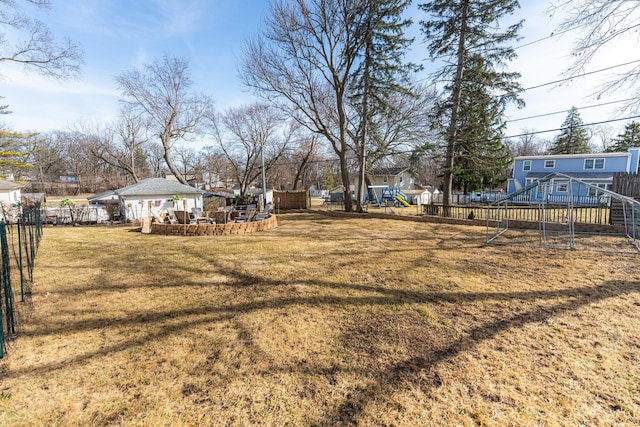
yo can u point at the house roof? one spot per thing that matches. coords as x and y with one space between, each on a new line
9 185
102 196
338 189
388 171
579 175
416 192
574 156
150 187
157 187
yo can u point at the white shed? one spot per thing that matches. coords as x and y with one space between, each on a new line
10 193
138 199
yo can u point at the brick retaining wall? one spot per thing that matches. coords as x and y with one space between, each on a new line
214 229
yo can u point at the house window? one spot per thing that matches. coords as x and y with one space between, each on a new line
549 164
562 187
385 179
526 165
593 192
594 163
400 178
542 188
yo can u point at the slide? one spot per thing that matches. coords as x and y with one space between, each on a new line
402 200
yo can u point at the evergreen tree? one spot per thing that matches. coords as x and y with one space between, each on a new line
465 32
574 138
15 148
624 141
481 157
328 182
381 73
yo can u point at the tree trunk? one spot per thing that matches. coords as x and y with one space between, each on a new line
344 172
363 131
167 158
455 109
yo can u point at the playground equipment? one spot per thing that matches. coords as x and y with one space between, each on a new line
379 194
402 201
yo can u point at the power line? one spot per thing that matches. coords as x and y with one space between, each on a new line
560 129
550 36
566 111
581 75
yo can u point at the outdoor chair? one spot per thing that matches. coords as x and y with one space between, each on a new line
264 214
173 219
247 214
198 217
156 216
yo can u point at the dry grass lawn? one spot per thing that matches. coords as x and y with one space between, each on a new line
323 321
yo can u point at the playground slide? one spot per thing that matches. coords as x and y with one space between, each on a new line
402 200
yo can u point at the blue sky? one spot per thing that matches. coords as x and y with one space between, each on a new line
117 35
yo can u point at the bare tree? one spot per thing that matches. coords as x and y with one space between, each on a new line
402 127
118 145
215 167
305 154
131 133
600 139
528 144
242 133
187 160
161 92
47 159
37 50
601 23
155 157
79 161
304 62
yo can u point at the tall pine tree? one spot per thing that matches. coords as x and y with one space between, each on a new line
481 157
629 138
382 71
574 138
462 31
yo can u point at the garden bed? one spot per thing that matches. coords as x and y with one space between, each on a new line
214 229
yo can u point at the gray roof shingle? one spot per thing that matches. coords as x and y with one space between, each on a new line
157 187
579 175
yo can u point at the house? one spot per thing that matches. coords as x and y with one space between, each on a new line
137 200
10 197
385 183
596 169
396 177
10 193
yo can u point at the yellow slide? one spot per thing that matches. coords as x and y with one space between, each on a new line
402 200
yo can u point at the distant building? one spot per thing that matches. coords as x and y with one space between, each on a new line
596 169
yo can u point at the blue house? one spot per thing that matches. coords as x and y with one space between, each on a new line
594 169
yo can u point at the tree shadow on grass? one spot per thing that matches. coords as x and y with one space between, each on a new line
385 382
174 321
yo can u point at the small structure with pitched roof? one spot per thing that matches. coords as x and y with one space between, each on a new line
137 200
10 193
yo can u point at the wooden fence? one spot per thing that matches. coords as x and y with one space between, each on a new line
627 184
292 199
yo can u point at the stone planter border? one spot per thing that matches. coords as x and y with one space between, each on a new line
214 229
